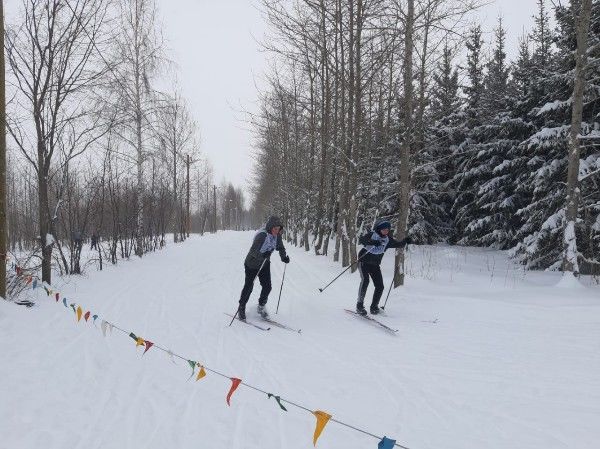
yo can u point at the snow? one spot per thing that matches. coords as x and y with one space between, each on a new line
512 360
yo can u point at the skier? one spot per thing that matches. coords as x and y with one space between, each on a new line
375 243
258 264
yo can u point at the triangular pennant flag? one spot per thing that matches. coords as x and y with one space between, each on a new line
87 315
148 344
386 443
29 279
73 307
103 326
79 312
34 284
57 297
201 373
94 317
278 399
111 327
193 366
132 335
139 342
65 302
322 420
235 382
47 291
19 270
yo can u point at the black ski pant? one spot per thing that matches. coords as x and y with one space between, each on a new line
264 277
374 271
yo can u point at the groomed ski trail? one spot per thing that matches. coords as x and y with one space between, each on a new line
512 361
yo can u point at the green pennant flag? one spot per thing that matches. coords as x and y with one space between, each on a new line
132 335
278 399
193 366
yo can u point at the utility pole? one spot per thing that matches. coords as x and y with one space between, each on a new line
3 248
215 208
187 218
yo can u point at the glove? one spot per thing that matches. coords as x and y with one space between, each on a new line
285 259
374 242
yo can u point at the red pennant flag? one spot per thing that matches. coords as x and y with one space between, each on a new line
148 344
235 382
19 271
87 314
57 297
29 279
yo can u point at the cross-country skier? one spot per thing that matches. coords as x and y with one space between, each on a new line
258 264
375 243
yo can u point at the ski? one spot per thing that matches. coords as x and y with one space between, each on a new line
280 325
250 323
367 317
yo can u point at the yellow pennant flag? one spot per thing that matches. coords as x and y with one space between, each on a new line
79 313
322 420
201 373
139 342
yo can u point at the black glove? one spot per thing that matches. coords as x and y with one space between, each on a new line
408 241
375 242
285 259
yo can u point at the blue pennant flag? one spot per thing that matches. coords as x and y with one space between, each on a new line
65 302
386 443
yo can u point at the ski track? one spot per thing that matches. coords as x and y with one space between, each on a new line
512 360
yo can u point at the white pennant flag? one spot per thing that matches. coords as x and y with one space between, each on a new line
103 326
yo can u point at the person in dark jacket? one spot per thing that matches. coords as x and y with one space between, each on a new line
258 264
375 243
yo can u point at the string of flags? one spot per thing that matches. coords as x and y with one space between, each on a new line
107 328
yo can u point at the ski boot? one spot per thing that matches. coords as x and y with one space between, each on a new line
375 310
360 309
262 311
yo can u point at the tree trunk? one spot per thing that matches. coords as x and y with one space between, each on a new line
570 262
405 148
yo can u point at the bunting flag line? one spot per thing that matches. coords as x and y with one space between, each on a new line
322 420
235 382
386 443
278 399
201 373
322 417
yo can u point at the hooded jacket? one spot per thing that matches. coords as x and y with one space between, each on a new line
373 254
264 244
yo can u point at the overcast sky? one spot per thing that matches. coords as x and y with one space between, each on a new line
213 42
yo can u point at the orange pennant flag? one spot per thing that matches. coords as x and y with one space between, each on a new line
235 382
79 313
322 420
87 315
148 344
201 373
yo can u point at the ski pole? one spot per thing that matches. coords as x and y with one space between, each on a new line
280 289
388 295
254 279
346 269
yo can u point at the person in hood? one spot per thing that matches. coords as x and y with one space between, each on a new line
258 264
375 243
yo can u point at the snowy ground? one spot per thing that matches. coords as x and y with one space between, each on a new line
513 360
